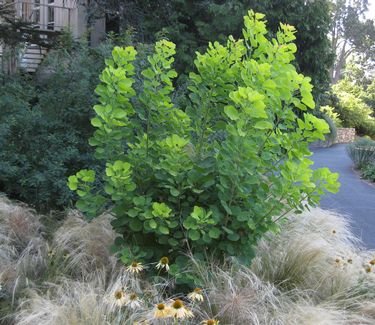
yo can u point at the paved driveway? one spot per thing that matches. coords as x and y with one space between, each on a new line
356 197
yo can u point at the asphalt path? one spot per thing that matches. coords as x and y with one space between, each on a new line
356 197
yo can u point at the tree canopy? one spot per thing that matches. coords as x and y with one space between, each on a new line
351 34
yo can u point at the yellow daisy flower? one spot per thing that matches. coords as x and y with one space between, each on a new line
210 322
163 264
196 295
121 298
179 310
135 267
162 311
134 302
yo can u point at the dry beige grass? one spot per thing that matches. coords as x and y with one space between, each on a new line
312 273
238 296
23 250
314 251
19 224
71 302
84 246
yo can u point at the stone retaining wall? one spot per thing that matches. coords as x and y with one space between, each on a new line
345 135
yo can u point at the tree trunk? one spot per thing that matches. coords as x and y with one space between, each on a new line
9 60
340 64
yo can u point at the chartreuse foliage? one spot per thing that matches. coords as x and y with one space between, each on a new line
216 175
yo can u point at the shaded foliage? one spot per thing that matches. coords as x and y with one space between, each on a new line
44 125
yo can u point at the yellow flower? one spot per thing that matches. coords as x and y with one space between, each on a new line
120 298
179 310
196 295
163 264
210 322
134 302
368 269
162 311
135 267
372 262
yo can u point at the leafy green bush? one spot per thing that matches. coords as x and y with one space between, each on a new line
369 172
362 152
211 178
331 113
37 153
352 108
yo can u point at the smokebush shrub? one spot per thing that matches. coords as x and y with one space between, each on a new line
213 176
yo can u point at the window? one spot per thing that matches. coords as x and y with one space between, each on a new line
36 12
51 15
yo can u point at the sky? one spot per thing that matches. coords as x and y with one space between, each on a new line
371 12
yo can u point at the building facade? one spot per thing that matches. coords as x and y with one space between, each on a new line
48 18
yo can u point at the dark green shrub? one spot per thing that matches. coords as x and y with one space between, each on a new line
362 152
44 125
369 172
213 178
367 127
37 154
44 122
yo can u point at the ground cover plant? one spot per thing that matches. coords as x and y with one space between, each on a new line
369 172
211 177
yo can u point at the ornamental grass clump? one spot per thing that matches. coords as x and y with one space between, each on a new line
213 176
79 246
316 251
362 152
23 250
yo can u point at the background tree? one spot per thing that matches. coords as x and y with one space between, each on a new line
351 34
362 77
